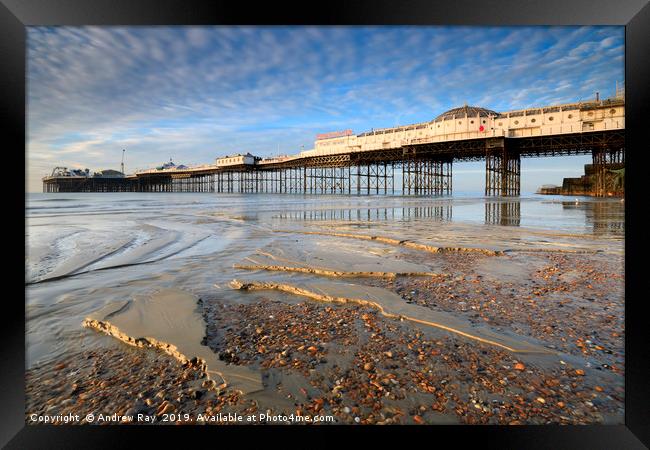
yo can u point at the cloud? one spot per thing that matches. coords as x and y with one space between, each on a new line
198 36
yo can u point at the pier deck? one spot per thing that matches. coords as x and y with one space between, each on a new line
426 169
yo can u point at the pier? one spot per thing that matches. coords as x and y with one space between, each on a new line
422 154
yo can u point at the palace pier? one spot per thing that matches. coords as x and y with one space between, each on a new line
420 155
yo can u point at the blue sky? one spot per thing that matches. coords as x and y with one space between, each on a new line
194 93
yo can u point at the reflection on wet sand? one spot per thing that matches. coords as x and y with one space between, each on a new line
442 212
604 217
507 213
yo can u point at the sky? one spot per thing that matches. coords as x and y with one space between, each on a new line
195 93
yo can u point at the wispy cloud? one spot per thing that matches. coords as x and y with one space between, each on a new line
193 93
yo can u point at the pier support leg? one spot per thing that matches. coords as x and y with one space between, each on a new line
368 178
296 180
502 173
427 176
604 159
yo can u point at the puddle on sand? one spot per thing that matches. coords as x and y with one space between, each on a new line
393 306
170 321
331 256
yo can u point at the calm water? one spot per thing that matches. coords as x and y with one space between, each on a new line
571 214
85 250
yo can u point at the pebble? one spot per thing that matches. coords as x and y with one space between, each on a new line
167 409
447 370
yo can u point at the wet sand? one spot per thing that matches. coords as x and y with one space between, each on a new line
363 322
169 321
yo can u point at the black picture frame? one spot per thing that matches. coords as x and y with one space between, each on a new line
16 15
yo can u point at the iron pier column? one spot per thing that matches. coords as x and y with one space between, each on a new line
604 160
502 170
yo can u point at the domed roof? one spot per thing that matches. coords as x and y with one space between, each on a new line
469 111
